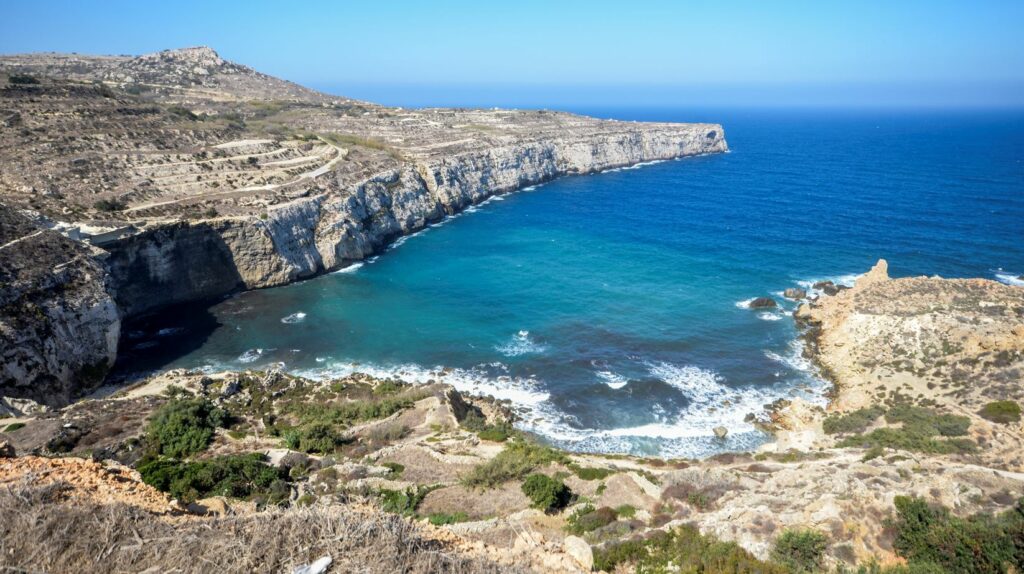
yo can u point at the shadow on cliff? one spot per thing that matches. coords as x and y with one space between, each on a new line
155 341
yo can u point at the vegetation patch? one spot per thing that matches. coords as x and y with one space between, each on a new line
498 432
590 472
587 518
546 493
403 502
519 459
933 540
919 429
313 438
803 551
244 476
183 427
853 422
14 426
683 549
1002 412
442 518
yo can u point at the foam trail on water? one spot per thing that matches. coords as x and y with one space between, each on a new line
294 318
520 344
350 268
613 380
1008 278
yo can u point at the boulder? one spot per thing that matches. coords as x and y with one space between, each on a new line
580 551
763 303
821 285
794 293
7 450
720 432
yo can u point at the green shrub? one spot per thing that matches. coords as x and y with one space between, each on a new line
625 511
983 543
345 414
519 459
237 476
546 493
403 502
14 426
801 550
22 79
853 422
928 422
1002 412
183 426
591 473
313 438
683 549
588 518
109 205
496 433
395 468
441 518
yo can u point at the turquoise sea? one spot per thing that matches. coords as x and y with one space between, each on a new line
609 307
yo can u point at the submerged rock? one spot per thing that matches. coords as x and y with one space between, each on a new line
720 432
763 303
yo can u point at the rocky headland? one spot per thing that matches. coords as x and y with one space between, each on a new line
135 183
191 177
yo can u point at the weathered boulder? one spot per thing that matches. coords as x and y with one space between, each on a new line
59 326
794 293
763 303
720 432
7 450
580 551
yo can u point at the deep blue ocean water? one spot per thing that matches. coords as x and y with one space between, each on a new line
609 307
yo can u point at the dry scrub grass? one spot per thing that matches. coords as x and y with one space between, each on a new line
39 533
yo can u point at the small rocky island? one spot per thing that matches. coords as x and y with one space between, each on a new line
134 183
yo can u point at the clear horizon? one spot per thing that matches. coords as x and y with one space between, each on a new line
747 54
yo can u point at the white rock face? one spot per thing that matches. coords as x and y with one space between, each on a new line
181 262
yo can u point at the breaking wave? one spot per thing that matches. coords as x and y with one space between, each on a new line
294 318
1008 278
520 344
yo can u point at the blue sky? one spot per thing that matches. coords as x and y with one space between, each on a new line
799 53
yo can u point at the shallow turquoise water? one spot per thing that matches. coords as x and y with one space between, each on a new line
609 306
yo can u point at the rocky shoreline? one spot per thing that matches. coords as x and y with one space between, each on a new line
188 177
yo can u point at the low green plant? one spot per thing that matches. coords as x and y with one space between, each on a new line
546 493
931 536
182 427
109 205
395 468
518 459
1002 412
588 518
442 518
22 79
683 549
802 550
238 476
313 438
590 473
625 511
403 502
14 426
853 422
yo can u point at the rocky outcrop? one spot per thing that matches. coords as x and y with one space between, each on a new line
188 261
59 327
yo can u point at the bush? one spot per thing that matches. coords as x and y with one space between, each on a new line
588 518
591 473
930 535
801 550
919 432
22 79
498 432
109 205
853 422
313 438
14 426
1002 412
441 518
237 476
403 502
183 426
683 549
519 459
546 493
625 511
395 468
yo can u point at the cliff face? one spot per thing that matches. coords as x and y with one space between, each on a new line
188 261
59 327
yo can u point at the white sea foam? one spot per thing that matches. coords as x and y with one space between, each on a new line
250 356
847 280
745 304
352 268
520 344
613 380
1009 278
767 316
170 331
294 318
